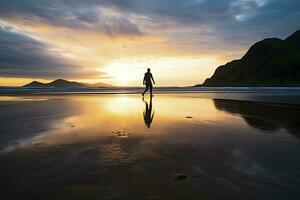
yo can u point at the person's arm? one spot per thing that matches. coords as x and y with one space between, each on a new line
144 79
152 79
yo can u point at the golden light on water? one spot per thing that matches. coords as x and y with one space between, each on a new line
105 115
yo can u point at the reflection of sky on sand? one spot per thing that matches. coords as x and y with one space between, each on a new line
98 117
95 142
11 98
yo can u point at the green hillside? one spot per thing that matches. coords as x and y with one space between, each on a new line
270 62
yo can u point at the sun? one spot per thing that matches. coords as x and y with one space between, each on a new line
122 74
122 79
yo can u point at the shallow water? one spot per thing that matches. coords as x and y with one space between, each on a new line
122 147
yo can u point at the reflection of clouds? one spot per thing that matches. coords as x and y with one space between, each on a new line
102 116
218 156
105 116
10 98
64 132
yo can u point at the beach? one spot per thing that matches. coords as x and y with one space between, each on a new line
185 145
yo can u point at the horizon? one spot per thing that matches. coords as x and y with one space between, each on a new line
115 42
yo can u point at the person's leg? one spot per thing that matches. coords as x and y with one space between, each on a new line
145 90
151 90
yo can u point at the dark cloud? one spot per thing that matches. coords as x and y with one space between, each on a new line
240 21
216 24
24 56
84 15
231 18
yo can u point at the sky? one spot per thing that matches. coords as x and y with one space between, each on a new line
115 41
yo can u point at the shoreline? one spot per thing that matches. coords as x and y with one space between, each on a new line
268 96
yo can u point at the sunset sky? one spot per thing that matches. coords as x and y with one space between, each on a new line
114 41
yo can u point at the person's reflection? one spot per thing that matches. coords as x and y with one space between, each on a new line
148 114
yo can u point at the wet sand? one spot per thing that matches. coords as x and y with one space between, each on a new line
179 146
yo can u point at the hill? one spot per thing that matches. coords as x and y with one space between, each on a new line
64 83
270 62
97 84
35 84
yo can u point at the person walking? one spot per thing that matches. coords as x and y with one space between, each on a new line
148 79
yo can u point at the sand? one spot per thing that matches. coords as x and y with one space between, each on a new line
118 146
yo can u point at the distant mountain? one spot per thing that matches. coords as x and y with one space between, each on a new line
64 83
270 62
97 84
35 84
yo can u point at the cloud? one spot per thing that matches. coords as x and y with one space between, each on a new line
190 27
230 20
226 19
82 15
22 55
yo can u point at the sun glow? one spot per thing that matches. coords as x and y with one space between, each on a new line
129 72
124 73
122 60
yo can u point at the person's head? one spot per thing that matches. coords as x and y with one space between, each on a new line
148 70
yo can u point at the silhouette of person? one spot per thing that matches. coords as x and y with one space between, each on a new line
148 115
148 79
